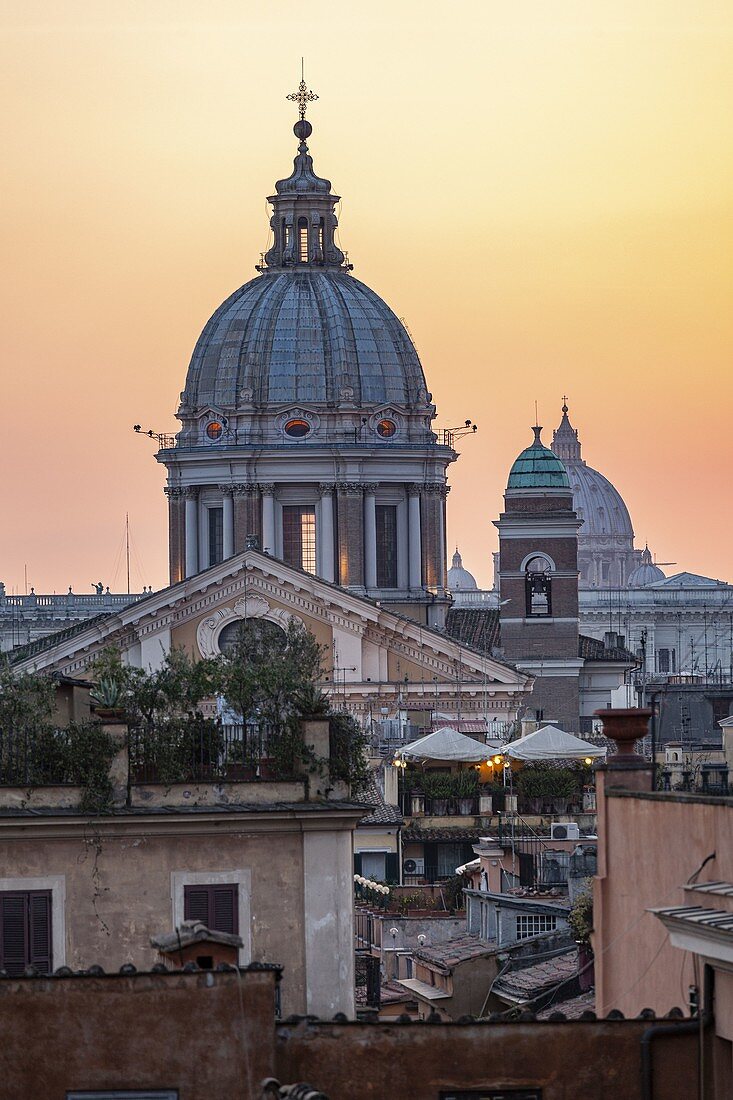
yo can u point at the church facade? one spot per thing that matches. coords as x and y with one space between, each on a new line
307 425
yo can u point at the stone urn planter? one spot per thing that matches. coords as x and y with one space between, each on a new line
625 726
417 805
440 807
465 806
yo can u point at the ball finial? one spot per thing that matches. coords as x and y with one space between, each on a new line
302 129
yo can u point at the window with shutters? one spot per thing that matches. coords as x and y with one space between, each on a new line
25 931
215 906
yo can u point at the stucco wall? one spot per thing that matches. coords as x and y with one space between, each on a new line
148 1031
119 884
568 1061
649 846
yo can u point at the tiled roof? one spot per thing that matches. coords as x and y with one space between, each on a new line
593 649
480 628
571 1009
416 834
476 626
445 956
22 652
383 813
531 981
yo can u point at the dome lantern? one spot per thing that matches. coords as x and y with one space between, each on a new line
303 221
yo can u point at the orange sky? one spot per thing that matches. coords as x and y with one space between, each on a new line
543 191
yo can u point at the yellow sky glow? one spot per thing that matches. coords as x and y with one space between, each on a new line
543 191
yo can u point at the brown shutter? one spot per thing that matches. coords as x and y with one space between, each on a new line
14 933
196 903
39 926
225 916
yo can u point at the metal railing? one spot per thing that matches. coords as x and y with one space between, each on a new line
35 758
202 751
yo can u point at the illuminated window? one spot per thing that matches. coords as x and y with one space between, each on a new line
299 537
215 429
386 523
386 428
303 241
297 429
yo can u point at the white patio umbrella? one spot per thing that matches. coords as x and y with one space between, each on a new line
551 743
450 746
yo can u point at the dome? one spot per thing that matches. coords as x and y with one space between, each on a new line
599 505
647 572
304 334
537 467
459 579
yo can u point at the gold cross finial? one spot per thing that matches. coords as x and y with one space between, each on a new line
303 96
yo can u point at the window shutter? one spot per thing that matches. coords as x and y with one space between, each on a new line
225 917
14 933
196 903
40 931
357 863
391 869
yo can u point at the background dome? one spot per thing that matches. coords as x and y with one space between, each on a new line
306 336
537 467
647 572
459 579
598 504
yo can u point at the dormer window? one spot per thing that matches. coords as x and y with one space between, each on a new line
297 428
538 587
386 428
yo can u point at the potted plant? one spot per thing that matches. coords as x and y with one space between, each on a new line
107 698
465 789
437 788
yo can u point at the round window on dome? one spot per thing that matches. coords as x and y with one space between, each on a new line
215 429
297 429
386 428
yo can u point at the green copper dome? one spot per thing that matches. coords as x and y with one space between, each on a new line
537 467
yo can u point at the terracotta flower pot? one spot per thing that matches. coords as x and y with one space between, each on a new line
625 727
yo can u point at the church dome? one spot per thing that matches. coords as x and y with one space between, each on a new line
459 579
304 331
304 334
537 467
598 503
647 572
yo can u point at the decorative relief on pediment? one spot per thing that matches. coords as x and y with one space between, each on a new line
250 607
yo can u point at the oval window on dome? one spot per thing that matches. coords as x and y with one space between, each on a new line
386 428
215 429
297 429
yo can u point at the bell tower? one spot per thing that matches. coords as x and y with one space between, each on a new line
538 570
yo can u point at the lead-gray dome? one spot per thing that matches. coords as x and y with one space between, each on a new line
600 506
304 334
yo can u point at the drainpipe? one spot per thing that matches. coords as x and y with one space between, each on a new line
697 1023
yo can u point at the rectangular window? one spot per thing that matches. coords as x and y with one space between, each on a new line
25 931
216 535
386 523
299 537
534 924
215 906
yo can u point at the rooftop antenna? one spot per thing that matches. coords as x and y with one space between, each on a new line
127 548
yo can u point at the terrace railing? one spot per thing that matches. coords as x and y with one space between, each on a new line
200 752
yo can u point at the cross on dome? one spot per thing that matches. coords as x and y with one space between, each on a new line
304 95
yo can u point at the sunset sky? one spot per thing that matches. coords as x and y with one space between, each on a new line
543 191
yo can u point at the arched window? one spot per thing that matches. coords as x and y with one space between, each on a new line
538 586
250 635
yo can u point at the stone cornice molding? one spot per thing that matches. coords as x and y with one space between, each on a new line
370 486
437 489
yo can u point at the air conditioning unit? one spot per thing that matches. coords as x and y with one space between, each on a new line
565 830
414 866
